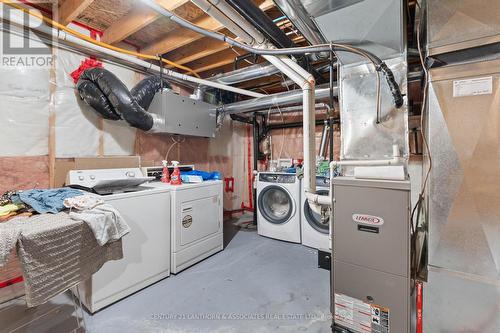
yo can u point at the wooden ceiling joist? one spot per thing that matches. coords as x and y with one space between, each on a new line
138 17
70 9
197 50
215 60
181 37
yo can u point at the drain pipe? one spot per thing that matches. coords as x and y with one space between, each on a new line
327 200
290 68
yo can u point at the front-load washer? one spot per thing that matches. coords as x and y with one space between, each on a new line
316 227
278 206
196 222
146 248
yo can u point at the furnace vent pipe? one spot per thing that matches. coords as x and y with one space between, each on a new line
286 65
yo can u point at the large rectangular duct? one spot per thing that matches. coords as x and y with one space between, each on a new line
454 25
377 26
463 128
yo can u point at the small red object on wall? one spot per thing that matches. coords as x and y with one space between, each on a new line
229 182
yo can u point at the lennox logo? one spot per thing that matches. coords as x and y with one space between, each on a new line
367 219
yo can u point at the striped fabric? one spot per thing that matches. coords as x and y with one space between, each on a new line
57 253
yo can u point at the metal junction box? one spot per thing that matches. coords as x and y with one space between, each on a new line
183 115
371 246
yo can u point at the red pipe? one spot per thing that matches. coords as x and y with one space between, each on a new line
10 282
419 300
249 168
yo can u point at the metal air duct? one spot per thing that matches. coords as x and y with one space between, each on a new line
245 74
297 14
286 98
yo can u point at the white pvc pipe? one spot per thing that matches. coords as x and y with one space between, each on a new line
62 35
396 159
296 73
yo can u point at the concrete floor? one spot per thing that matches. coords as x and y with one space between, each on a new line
277 283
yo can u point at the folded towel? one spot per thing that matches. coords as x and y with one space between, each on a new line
105 221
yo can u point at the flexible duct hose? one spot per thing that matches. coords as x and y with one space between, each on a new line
109 97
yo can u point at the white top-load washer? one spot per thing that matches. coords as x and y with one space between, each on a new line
278 203
316 227
146 249
196 222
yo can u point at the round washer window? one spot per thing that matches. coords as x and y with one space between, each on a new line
314 219
275 204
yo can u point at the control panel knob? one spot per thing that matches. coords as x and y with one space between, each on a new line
130 174
81 178
92 177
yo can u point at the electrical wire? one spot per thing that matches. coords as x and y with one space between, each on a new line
57 25
378 64
419 206
175 142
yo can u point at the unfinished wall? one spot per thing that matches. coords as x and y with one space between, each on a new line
43 119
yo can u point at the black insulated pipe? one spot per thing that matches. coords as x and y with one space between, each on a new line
109 97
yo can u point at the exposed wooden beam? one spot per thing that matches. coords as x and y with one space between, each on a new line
136 19
180 37
70 9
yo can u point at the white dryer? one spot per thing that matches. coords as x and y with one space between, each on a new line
146 249
196 222
316 227
278 203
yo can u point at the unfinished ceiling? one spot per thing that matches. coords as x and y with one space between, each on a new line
132 23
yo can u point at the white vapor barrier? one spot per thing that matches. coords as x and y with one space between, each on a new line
24 107
119 138
77 125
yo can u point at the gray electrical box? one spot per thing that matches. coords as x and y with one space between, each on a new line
183 115
371 246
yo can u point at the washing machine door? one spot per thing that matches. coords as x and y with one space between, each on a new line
275 204
315 220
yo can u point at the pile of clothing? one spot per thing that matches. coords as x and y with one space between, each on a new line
105 221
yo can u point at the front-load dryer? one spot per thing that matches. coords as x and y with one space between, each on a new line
278 213
316 227
196 222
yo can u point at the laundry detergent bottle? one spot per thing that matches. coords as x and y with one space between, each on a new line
175 177
165 175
